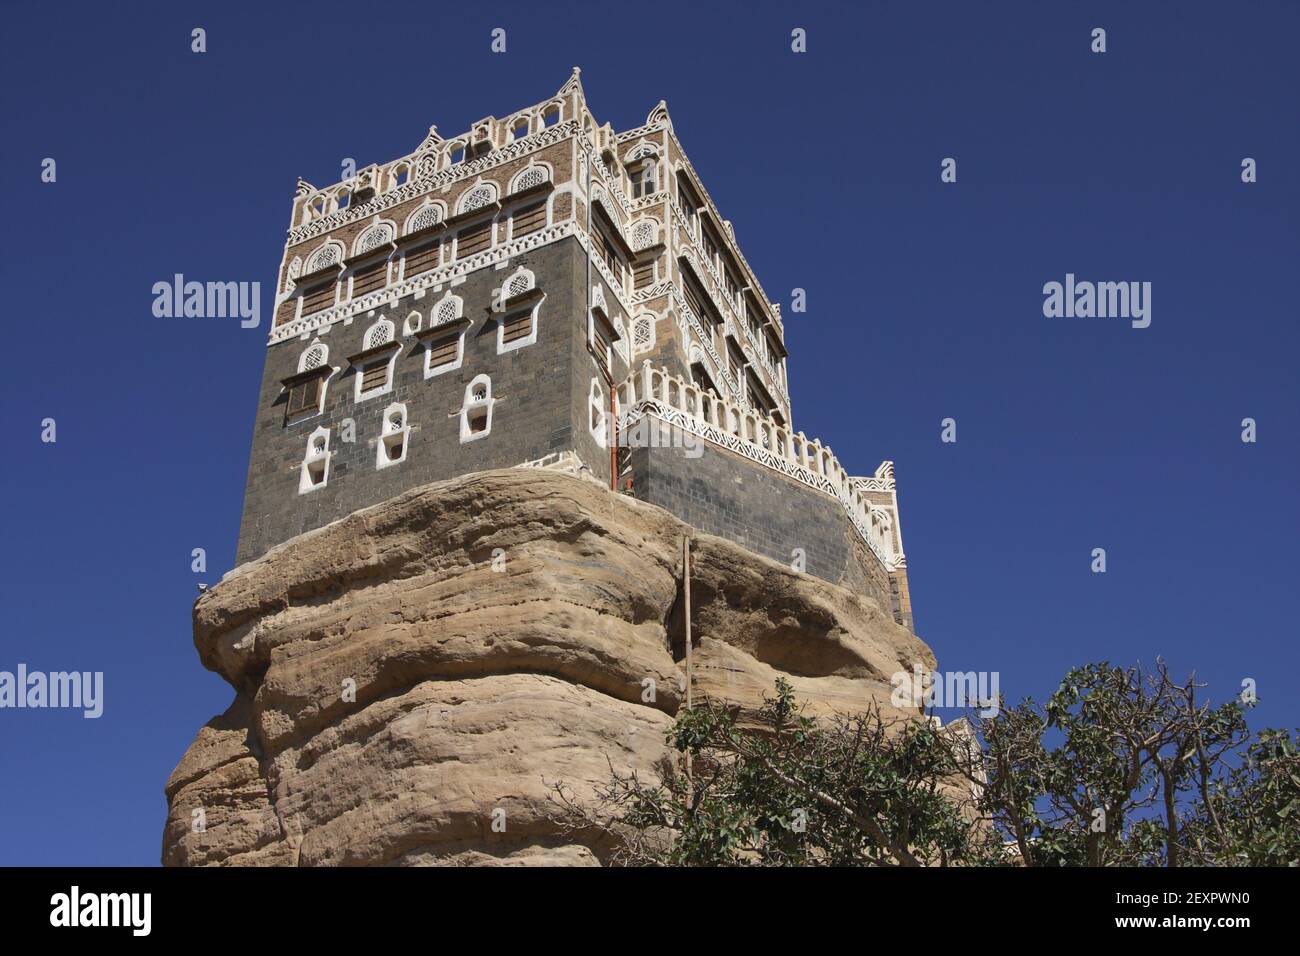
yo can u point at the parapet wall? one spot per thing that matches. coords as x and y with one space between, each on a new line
724 494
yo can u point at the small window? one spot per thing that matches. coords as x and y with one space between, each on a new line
392 442
400 175
422 259
474 239
369 277
605 250
600 345
520 129
551 115
374 377
342 199
314 472
443 353
597 414
458 154
318 298
643 180
517 326
528 219
304 398
643 275
476 412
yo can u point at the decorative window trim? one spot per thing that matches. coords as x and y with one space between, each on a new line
303 359
507 312
518 292
384 352
395 429
482 194
520 182
374 237
476 406
430 335
292 273
314 472
445 316
329 253
643 234
643 334
411 327
409 226
380 333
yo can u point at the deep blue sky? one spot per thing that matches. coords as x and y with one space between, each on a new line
924 302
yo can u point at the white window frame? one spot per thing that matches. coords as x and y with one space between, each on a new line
472 404
389 436
313 459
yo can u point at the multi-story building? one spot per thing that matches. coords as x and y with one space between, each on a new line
538 291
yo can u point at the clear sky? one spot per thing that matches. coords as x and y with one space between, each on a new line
925 302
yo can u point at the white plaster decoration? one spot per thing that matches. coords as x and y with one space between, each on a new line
597 414
643 234
381 333
430 214
447 309
411 325
294 270
380 233
478 196
313 357
329 254
476 410
643 334
529 177
391 448
315 469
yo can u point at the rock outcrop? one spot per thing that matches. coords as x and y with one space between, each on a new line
415 672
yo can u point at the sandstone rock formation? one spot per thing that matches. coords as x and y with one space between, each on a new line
407 674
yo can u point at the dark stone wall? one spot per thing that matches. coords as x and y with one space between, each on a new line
724 494
540 389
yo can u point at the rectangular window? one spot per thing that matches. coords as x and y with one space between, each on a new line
370 277
374 376
285 312
321 297
600 345
304 398
644 274
605 249
443 351
422 259
474 239
529 219
518 326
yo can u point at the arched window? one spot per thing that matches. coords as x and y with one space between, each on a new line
476 411
313 357
306 389
530 178
379 234
391 447
478 196
518 309
329 254
315 469
519 128
375 371
444 339
399 174
551 115
342 198
425 217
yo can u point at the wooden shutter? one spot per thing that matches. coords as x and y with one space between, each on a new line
285 312
693 301
304 398
529 219
374 376
422 259
443 351
475 239
370 277
600 344
518 326
321 297
644 274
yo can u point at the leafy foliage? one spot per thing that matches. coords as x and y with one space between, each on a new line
1120 767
